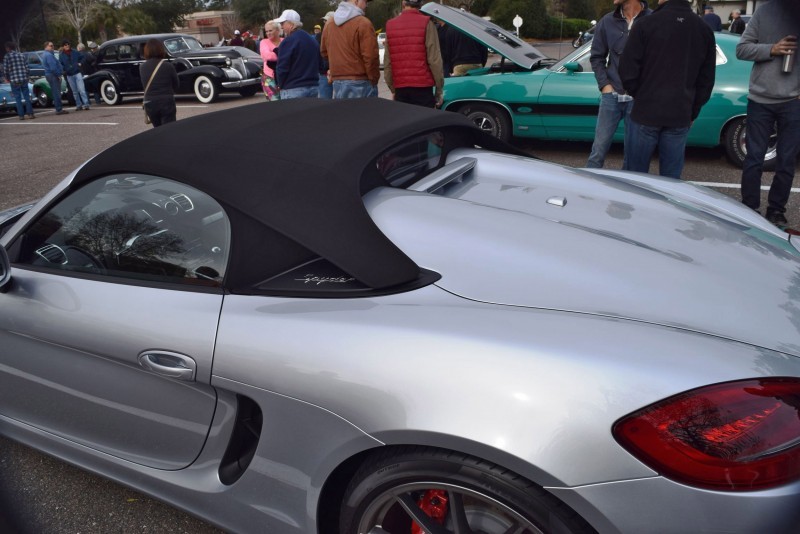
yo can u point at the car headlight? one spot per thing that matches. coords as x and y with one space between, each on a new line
228 62
735 436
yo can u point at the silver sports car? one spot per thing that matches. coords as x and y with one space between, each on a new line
395 323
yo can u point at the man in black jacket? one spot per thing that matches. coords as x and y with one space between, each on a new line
668 65
610 36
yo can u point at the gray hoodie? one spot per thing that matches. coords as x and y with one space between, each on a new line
771 22
345 12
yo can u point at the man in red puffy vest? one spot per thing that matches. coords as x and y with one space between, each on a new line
412 63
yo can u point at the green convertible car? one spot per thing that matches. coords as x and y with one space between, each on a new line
526 94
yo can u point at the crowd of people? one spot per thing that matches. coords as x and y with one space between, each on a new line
655 69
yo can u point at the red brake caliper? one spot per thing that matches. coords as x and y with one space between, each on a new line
433 503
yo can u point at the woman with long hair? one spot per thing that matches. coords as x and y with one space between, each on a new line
160 81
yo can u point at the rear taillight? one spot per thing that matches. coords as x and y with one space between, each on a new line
736 436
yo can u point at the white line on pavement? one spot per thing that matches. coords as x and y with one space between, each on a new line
45 123
736 186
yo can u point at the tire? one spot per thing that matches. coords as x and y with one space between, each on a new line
385 494
42 100
109 93
489 118
205 89
736 149
249 90
577 42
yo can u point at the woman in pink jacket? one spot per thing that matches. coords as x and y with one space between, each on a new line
272 38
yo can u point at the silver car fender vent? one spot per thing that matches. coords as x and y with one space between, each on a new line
53 254
557 201
244 441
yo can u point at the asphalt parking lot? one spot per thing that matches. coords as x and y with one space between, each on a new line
43 495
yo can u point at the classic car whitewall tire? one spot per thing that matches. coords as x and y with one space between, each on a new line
109 93
736 149
385 493
205 89
489 118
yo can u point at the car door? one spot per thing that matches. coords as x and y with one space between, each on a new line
569 101
107 331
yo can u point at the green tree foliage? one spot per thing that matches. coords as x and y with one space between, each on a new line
578 9
380 11
483 7
534 15
167 14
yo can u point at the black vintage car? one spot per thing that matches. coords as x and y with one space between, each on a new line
203 71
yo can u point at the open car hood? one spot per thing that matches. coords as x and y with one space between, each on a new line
501 41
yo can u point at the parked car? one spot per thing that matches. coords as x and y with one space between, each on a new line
35 62
410 323
43 93
206 72
529 95
8 104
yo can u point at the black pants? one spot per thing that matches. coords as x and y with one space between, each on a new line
421 96
160 110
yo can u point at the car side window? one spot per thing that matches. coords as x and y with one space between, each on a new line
34 60
126 51
136 227
110 54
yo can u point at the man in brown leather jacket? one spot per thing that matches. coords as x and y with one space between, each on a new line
351 48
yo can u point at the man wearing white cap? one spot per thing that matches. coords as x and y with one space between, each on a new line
237 39
352 50
297 71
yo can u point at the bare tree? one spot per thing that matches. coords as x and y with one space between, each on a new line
18 27
230 23
274 9
77 13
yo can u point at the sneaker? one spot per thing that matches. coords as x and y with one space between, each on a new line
22 118
62 112
78 108
87 108
31 116
776 217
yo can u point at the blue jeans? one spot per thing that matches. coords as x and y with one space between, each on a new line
611 112
354 89
299 92
78 90
325 88
55 90
761 119
642 140
22 95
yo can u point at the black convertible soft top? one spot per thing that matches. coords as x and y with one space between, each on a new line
295 166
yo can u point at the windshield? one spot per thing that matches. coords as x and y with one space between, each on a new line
580 55
182 44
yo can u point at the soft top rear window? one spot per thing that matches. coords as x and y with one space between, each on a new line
409 161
